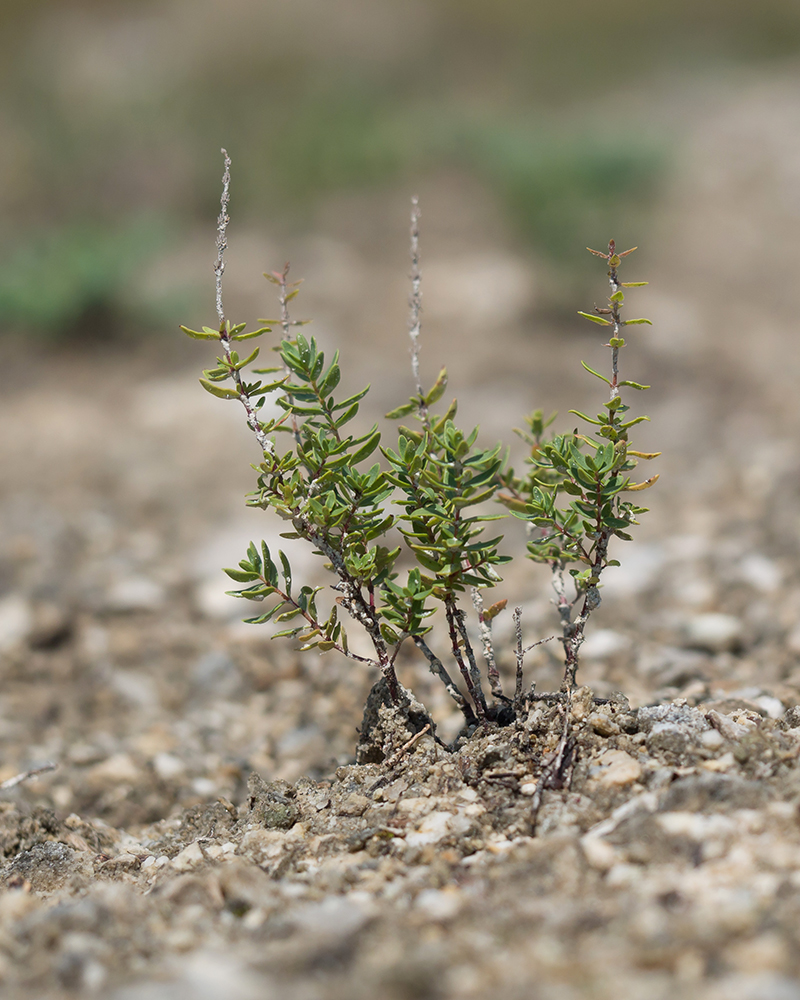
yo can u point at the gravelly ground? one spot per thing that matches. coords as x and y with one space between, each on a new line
206 833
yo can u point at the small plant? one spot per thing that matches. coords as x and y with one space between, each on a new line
427 503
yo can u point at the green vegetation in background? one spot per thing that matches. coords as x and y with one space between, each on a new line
561 184
500 90
70 279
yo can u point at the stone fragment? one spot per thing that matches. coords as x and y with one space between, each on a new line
716 633
334 918
726 727
45 866
603 724
135 593
16 620
436 826
667 737
604 643
618 769
188 858
439 904
599 853
270 805
713 793
119 768
582 703
712 740
760 572
353 805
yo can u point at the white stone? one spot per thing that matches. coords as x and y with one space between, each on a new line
727 727
639 572
603 643
772 706
334 917
618 769
761 573
599 854
168 766
439 904
16 620
118 768
623 875
188 858
711 740
720 764
204 786
713 632
696 825
135 593
436 826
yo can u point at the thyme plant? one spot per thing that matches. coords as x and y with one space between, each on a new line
428 502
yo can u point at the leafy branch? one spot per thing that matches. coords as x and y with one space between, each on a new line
425 504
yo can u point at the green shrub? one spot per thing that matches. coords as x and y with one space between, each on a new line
80 279
429 498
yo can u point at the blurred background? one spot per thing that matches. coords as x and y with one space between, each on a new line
530 129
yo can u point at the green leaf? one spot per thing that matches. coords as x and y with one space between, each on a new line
634 385
251 334
218 390
366 449
331 380
596 375
634 284
243 364
617 297
209 335
241 576
635 322
438 427
288 632
287 571
437 390
583 416
402 411
350 400
595 319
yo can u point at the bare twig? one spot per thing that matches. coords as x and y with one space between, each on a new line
407 746
520 655
557 772
439 670
415 302
469 673
475 674
286 325
222 235
488 646
224 334
25 775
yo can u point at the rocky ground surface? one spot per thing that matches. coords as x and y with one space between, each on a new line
206 832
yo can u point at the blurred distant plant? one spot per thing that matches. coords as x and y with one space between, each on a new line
429 498
559 184
80 280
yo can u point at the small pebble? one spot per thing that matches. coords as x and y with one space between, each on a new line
603 724
716 633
